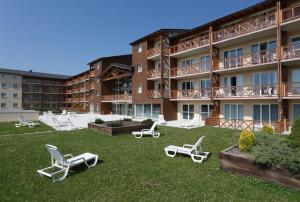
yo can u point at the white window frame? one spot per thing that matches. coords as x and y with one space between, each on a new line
230 113
140 48
139 68
260 106
188 112
139 88
293 111
209 113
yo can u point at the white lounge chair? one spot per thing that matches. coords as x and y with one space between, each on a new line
190 124
194 151
24 122
59 124
151 131
60 164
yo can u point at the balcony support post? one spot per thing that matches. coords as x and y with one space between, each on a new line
278 49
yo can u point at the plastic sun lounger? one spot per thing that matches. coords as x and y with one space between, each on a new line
194 151
24 122
151 131
61 164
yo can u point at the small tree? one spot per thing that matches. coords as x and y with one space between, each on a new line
246 141
267 129
295 135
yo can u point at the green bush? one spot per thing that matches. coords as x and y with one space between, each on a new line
267 129
273 151
127 119
115 124
246 141
148 122
99 121
295 135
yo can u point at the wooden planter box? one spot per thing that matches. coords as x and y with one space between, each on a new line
232 160
127 127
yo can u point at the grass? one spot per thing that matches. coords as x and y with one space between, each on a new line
8 128
132 169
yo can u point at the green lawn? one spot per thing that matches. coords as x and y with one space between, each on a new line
132 169
8 128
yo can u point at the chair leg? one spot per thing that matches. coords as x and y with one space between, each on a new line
156 135
66 171
169 154
93 164
139 135
199 158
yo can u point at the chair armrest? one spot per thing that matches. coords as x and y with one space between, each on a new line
145 130
187 145
68 155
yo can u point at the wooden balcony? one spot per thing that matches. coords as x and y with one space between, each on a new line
291 13
156 94
194 69
291 51
190 44
152 52
195 94
156 74
250 59
254 91
291 90
69 100
116 98
92 73
82 89
69 91
247 27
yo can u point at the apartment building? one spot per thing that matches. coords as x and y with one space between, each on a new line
33 90
241 70
151 83
113 83
10 91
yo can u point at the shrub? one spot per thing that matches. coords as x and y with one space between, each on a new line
99 121
273 151
127 119
148 122
115 124
246 141
267 129
295 135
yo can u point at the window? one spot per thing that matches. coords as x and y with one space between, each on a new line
147 110
16 86
234 111
263 52
3 85
140 48
3 95
233 58
296 111
188 112
188 85
206 111
265 83
296 43
139 88
205 63
15 95
139 68
263 113
205 87
187 63
3 105
155 111
15 105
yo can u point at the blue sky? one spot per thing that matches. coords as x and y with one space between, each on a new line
62 36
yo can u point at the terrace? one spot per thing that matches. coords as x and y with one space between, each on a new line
291 52
291 13
195 94
192 70
153 53
265 91
145 163
291 90
116 98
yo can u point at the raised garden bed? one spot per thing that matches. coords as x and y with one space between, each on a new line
127 127
232 160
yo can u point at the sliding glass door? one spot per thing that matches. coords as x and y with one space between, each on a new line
265 113
234 111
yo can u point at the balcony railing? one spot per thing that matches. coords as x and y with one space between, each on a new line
157 94
190 44
292 13
156 73
116 98
264 90
202 93
291 51
250 59
291 89
245 28
193 69
153 52
236 124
